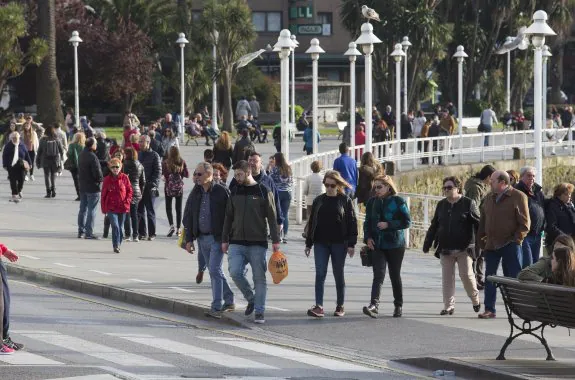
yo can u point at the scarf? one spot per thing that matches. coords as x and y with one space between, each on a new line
15 156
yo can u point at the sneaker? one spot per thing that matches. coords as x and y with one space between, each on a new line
117 250
259 318
32 178
316 311
152 237
80 235
214 314
171 231
13 345
284 241
199 277
476 308
142 237
77 199
249 308
486 315
5 350
135 239
26 179
91 237
339 311
20 195
128 239
229 307
371 310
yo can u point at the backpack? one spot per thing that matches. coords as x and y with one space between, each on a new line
175 185
51 149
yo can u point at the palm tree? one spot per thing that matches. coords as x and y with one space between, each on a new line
47 84
233 21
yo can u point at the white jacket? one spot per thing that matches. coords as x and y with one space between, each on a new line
313 186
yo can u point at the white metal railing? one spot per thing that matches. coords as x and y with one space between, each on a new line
468 148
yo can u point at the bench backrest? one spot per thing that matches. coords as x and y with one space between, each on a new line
533 301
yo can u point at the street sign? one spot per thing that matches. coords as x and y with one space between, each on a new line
310 29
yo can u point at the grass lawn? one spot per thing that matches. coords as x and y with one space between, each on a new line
116 132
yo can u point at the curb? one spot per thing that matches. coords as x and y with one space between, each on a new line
461 368
168 305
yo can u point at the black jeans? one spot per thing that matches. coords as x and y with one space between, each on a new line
178 210
50 176
131 222
16 176
478 265
74 173
6 299
393 259
32 155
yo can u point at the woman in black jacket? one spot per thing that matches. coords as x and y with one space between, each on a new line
559 214
223 151
452 231
332 231
135 172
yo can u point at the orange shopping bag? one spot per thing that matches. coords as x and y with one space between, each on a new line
278 266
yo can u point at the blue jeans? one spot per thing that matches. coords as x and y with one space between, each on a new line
511 255
322 253
531 248
211 250
87 215
116 222
6 299
255 255
285 200
488 129
147 213
201 263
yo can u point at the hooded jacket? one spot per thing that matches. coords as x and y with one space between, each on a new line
116 194
475 190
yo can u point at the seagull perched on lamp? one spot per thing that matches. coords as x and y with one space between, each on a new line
369 13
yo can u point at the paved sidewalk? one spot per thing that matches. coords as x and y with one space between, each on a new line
43 231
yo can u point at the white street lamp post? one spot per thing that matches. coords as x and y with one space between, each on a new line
315 50
538 31
216 35
352 53
75 41
405 44
366 41
460 55
293 38
508 79
546 55
398 55
285 44
182 41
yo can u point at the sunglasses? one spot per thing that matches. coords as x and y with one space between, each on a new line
378 187
114 167
198 174
447 188
330 185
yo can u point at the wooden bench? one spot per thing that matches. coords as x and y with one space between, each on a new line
539 305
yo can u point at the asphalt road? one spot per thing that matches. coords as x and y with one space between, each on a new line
71 338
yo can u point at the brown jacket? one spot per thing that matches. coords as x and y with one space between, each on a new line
503 222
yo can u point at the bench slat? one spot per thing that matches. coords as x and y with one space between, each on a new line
552 301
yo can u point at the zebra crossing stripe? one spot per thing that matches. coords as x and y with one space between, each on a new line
95 350
27 358
284 353
198 353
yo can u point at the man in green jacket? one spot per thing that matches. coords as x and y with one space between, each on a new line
244 236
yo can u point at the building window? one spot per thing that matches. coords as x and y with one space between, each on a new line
267 21
326 20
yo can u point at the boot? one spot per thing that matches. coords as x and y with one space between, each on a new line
48 193
53 192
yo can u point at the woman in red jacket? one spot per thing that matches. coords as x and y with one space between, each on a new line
116 198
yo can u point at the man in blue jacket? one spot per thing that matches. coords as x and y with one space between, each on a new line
347 167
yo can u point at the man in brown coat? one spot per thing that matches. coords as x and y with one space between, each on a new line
503 225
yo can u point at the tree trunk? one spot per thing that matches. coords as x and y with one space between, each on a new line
128 102
47 84
228 110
